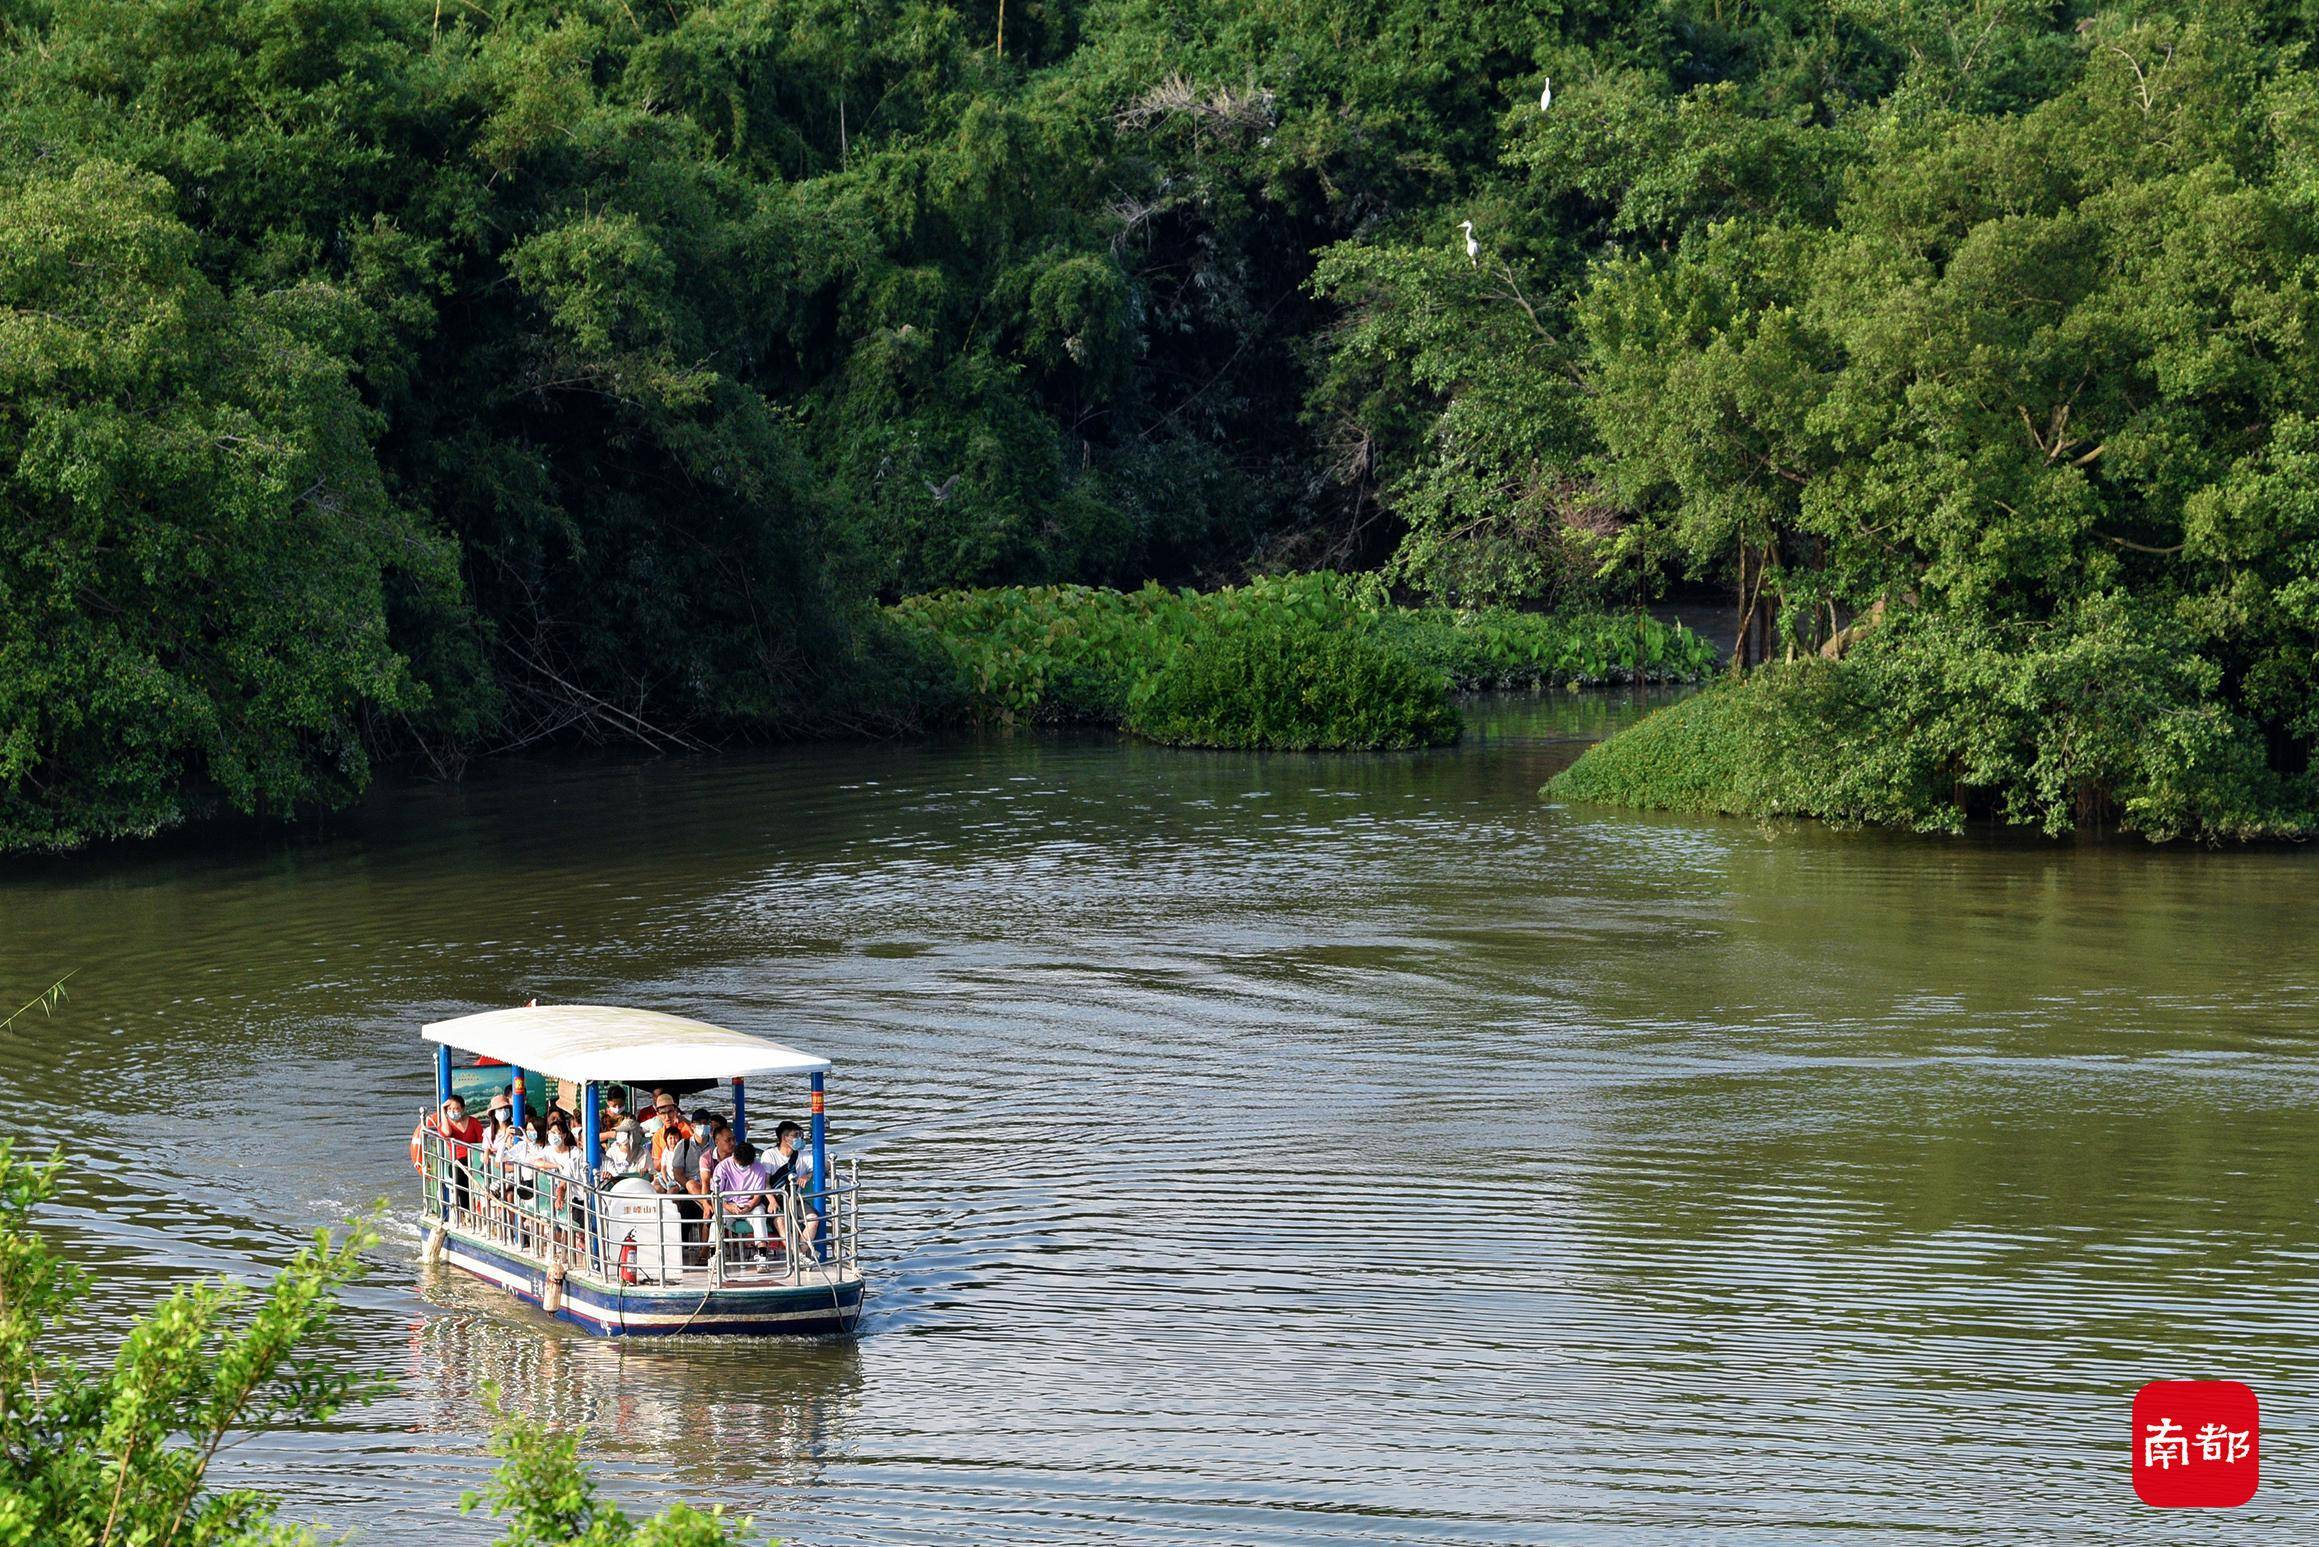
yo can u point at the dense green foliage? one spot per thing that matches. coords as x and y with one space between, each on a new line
1497 647
390 378
1056 653
120 1456
1700 753
1278 686
2038 383
1329 655
199 546
2104 719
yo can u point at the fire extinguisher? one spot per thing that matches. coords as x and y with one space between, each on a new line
628 1259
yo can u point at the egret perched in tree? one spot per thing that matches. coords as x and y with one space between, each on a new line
1473 249
1546 97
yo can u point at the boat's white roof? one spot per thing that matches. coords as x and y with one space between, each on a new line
605 1042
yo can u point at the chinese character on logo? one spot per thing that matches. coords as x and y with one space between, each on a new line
2196 1444
2163 1445
2216 1443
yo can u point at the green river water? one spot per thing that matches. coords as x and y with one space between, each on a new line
1263 1149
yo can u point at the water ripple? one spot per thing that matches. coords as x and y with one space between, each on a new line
1263 1149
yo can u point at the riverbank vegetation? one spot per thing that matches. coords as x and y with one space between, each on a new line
121 1454
2012 420
396 381
2104 721
1305 661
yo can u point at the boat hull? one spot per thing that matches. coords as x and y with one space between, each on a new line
631 1310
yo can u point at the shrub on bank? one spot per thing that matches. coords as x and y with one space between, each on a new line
2103 718
1691 755
1079 654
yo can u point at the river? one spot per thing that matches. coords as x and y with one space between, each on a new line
1262 1148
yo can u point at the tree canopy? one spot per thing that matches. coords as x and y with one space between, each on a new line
393 379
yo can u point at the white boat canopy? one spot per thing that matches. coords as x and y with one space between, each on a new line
604 1042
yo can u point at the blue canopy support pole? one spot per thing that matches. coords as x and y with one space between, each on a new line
592 1142
442 1157
515 1093
740 1113
820 1170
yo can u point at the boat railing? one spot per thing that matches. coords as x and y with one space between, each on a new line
640 1234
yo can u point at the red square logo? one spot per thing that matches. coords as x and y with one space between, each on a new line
2197 1444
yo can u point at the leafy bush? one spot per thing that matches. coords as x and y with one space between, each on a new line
1292 687
1692 755
549 1499
2105 717
2107 714
121 1455
1044 652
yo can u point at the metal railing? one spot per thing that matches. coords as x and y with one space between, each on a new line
627 1230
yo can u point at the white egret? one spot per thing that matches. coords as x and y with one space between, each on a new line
1473 249
1546 97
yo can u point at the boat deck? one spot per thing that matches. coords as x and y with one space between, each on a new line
625 1259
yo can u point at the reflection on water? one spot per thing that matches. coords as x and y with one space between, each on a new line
1264 1148
674 1408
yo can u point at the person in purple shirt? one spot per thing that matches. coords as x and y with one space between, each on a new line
739 1181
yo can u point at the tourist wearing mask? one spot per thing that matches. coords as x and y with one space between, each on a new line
625 1152
620 1158
793 1174
525 1158
459 1133
564 1173
491 1160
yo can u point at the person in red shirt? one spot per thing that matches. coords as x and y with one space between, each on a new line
458 1131
457 1125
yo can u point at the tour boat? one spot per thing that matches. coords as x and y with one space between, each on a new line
622 1256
